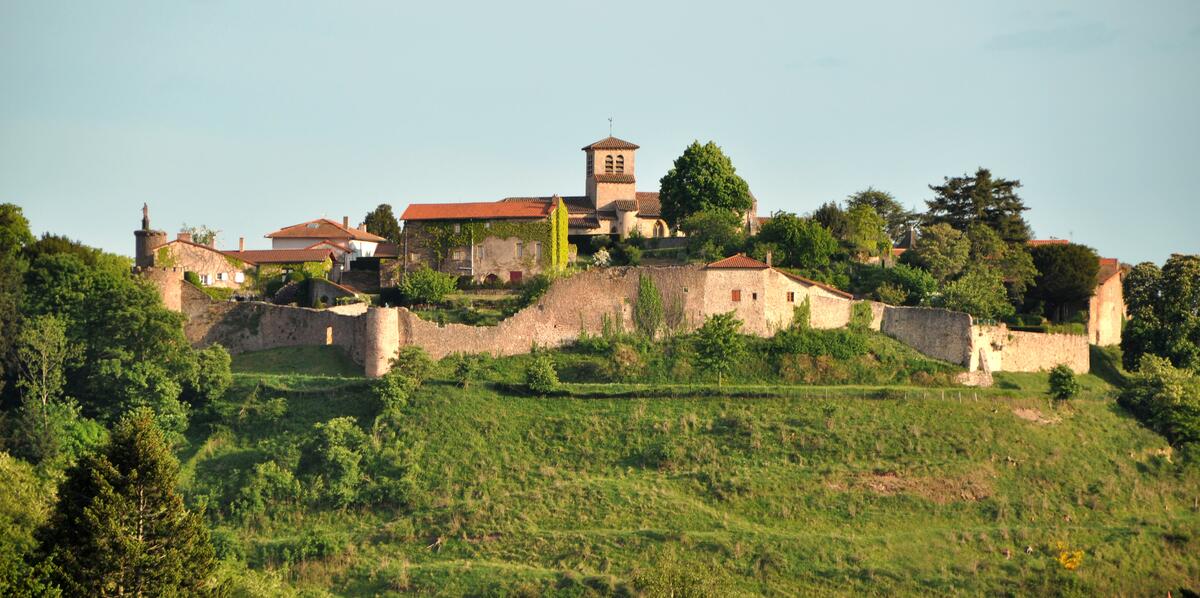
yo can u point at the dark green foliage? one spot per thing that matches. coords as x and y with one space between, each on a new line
899 285
466 368
801 243
648 309
713 234
897 219
979 292
425 285
540 376
14 237
980 198
1011 259
1066 278
839 344
531 290
861 316
269 488
381 221
702 178
192 278
120 525
1063 385
212 375
802 314
24 505
411 362
942 251
626 254
867 234
1167 400
720 344
333 457
835 220
1164 310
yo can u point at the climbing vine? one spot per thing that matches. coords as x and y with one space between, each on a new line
164 258
444 237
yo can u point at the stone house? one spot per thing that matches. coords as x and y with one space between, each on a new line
762 297
229 269
347 243
489 241
1106 308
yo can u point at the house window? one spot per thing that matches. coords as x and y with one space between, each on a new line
460 254
620 164
660 229
754 296
221 276
479 251
239 277
736 295
537 250
514 276
791 297
458 228
520 250
205 279
608 164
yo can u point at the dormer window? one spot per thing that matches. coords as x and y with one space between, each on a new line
608 164
620 164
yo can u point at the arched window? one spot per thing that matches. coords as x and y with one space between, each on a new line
608 164
660 229
620 164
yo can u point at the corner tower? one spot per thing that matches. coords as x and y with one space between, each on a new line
148 241
610 171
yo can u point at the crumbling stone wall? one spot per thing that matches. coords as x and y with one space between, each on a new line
1106 312
1035 351
257 326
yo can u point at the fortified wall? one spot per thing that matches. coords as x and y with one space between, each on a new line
592 300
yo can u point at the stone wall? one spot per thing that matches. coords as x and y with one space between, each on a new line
1035 351
256 326
169 282
212 266
324 291
1106 312
938 333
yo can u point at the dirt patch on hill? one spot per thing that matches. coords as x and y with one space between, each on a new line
942 490
1035 416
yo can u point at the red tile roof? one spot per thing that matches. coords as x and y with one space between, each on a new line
281 256
626 205
323 228
739 261
1109 267
615 178
610 142
648 204
329 243
486 210
387 250
1040 242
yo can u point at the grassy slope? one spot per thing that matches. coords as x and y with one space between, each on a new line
777 496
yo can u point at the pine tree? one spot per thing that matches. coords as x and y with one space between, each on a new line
965 200
121 529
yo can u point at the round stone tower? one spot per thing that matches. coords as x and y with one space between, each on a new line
382 340
148 241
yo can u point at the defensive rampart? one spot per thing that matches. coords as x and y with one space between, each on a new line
591 301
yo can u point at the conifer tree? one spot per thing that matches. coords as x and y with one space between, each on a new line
121 529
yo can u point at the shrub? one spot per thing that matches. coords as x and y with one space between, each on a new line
626 254
861 316
333 455
720 344
192 277
465 368
648 309
425 285
1063 385
412 362
1166 399
394 388
213 376
624 362
268 487
839 344
802 315
540 376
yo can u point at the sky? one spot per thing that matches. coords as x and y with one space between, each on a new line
250 116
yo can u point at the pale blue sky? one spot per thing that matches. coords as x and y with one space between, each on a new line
248 116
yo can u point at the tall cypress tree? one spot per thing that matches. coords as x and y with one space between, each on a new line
121 529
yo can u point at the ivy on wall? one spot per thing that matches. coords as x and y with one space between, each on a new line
442 238
164 258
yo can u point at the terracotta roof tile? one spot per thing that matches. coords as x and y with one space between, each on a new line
1109 267
477 210
323 228
625 205
615 178
280 256
387 250
811 282
585 222
1040 242
610 142
738 261
648 204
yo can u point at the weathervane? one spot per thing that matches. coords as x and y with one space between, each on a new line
610 126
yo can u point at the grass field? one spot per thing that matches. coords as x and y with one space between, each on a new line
751 489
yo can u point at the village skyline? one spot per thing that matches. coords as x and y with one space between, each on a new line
213 116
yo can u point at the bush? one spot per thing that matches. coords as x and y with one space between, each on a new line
648 309
1063 385
269 486
540 376
412 362
861 316
465 368
333 455
213 376
626 254
193 278
838 344
1166 399
425 285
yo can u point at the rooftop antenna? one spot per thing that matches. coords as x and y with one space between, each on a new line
610 126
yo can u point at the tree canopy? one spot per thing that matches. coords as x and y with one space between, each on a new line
703 178
1066 277
1164 310
964 200
381 221
798 242
712 234
121 527
896 218
942 251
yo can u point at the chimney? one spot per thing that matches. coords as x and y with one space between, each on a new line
185 237
363 227
769 256
346 221
241 243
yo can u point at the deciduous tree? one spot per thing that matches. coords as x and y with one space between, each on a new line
897 219
720 344
713 234
942 251
1164 309
703 178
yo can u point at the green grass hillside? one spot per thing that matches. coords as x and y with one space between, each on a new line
750 490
